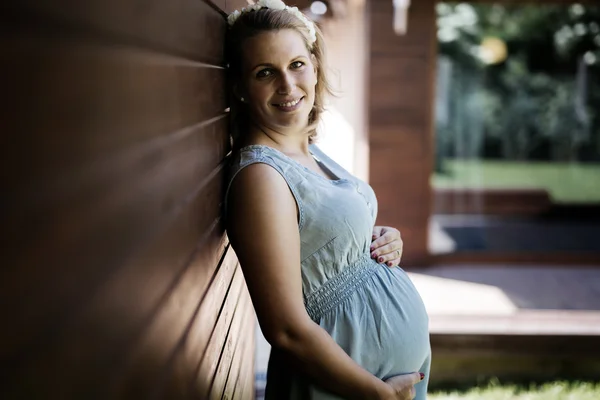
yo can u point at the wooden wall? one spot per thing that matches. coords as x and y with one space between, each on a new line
117 278
401 98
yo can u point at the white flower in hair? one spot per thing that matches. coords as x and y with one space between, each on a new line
273 4
233 16
276 5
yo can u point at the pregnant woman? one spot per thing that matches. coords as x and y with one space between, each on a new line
344 321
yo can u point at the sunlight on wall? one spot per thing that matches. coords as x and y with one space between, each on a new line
336 138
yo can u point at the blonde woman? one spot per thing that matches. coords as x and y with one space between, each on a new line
344 320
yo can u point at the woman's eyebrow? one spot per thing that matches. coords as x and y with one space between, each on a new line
262 65
273 66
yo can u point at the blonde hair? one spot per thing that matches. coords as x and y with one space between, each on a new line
252 23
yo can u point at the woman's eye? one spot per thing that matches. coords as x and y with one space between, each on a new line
263 73
297 64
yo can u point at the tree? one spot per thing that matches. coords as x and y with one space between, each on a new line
546 89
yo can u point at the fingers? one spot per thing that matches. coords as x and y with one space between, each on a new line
393 263
404 384
390 253
389 235
412 393
417 377
377 232
387 247
390 259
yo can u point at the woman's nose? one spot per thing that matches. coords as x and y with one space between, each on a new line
286 84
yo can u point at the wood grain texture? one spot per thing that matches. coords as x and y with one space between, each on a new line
401 97
117 270
177 27
220 344
230 359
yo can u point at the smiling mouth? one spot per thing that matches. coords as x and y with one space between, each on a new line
289 103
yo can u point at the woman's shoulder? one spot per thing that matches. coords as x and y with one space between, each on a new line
255 174
259 153
254 153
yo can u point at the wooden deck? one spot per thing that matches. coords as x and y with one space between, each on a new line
510 321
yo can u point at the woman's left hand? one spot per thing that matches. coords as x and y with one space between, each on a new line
386 246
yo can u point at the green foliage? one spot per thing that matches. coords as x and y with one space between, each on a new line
548 391
541 102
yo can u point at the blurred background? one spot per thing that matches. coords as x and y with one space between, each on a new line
517 128
477 125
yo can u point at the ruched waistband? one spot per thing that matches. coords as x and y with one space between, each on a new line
340 287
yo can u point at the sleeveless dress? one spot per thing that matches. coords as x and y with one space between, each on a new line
372 311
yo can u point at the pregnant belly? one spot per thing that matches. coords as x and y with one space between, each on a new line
383 325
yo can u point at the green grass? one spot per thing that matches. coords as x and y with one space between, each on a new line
566 182
548 391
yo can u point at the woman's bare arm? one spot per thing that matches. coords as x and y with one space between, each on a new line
263 229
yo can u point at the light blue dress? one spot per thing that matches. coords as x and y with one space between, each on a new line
372 311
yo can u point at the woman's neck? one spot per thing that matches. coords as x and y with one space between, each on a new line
288 142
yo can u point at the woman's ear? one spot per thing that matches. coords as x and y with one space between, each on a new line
315 64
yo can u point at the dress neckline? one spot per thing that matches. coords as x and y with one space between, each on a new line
310 171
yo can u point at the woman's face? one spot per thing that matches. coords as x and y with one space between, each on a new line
279 79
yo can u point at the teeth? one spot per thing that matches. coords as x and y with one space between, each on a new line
290 103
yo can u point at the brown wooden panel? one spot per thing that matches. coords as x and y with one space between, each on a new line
401 95
182 383
150 296
420 30
414 238
92 105
231 5
403 139
230 359
115 127
190 28
120 209
399 189
495 201
244 358
154 357
230 322
244 387
405 101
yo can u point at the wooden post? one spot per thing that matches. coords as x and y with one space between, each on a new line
401 99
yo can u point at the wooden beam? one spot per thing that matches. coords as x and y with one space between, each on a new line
401 98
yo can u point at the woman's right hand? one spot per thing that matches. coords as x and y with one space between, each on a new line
404 385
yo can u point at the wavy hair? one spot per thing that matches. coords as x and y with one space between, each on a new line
251 24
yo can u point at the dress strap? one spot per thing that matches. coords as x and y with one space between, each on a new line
257 154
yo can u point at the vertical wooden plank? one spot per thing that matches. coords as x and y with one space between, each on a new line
401 98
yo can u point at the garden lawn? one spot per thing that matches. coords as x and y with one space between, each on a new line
549 391
565 182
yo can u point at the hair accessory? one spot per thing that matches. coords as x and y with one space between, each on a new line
275 5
